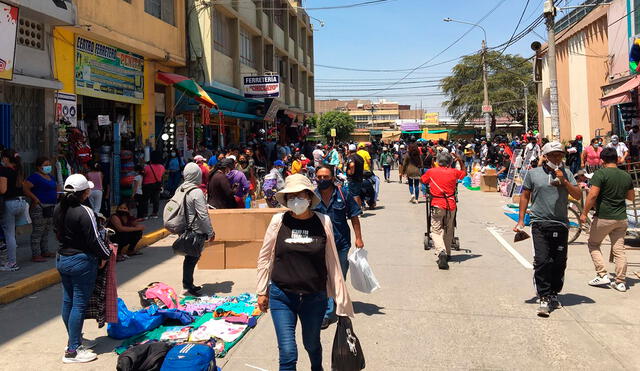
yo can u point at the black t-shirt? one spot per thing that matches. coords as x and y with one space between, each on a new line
300 264
12 189
359 168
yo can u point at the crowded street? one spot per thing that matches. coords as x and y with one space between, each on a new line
479 314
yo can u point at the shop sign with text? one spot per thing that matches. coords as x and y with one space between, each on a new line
107 72
8 30
262 86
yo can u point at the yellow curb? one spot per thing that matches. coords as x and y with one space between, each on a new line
29 285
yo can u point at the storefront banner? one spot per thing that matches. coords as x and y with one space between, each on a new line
262 86
66 108
108 72
272 111
432 118
8 31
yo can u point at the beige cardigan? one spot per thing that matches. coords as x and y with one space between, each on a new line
336 287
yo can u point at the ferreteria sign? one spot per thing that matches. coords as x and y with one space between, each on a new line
262 86
107 72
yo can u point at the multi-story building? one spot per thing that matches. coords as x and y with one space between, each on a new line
232 40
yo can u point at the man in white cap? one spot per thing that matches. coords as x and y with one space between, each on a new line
548 187
620 147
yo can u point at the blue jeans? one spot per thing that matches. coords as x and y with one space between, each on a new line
14 214
174 181
414 187
387 172
78 274
468 164
343 257
286 308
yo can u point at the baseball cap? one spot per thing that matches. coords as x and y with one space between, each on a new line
232 157
552 147
352 147
77 183
278 163
198 158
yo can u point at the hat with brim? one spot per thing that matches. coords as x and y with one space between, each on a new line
552 147
297 183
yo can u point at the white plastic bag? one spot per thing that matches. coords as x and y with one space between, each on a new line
362 278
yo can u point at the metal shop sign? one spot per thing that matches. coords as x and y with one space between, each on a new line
8 31
262 86
107 72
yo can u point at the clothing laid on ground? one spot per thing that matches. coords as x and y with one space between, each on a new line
300 265
614 185
443 182
548 202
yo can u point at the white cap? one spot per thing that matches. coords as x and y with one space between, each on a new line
198 158
552 147
352 147
232 157
77 183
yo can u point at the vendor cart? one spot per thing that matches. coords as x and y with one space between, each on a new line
428 240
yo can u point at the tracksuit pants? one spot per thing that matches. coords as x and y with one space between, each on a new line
550 257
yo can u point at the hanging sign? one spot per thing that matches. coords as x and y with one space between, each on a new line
262 86
333 133
8 30
272 111
66 108
107 72
103 120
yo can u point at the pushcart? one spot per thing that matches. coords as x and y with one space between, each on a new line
428 240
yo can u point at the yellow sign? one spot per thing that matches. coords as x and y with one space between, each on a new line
333 133
432 118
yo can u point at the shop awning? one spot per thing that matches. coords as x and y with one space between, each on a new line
188 86
621 94
238 115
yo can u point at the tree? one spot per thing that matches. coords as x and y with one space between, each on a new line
506 93
341 121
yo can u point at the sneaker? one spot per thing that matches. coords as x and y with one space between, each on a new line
153 217
543 308
38 259
412 199
554 302
620 286
80 355
600 280
325 324
9 267
442 261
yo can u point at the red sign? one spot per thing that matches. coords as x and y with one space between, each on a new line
487 109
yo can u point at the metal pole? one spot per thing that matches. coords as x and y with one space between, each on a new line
526 109
487 118
550 14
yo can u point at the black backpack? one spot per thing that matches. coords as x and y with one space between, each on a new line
144 357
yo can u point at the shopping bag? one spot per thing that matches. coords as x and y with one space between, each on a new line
346 354
362 278
133 323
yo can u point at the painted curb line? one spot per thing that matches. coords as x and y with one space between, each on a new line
37 282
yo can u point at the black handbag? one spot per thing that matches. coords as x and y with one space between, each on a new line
190 242
346 354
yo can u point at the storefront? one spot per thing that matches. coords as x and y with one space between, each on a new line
621 99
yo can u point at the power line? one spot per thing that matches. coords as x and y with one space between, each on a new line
346 6
374 89
623 17
389 70
526 5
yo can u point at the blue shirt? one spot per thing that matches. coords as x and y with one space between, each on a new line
174 164
213 161
341 208
45 190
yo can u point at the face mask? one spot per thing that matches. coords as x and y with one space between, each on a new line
122 212
596 145
324 184
298 205
614 141
46 169
173 154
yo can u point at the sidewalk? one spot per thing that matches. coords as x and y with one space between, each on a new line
29 268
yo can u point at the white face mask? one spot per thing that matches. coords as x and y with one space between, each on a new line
298 205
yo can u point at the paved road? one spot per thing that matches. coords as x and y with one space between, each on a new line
480 314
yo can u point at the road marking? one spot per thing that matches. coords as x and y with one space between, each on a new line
525 263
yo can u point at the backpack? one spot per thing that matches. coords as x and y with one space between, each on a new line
163 295
143 357
191 357
174 211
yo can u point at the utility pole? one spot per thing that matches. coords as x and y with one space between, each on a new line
526 106
550 14
485 103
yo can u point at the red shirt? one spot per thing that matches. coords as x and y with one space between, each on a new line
446 179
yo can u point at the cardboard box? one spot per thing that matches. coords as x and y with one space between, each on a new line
241 224
489 183
242 254
213 256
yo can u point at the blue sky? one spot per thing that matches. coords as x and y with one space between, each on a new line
403 34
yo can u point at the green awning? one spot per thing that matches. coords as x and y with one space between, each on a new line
375 132
412 132
238 115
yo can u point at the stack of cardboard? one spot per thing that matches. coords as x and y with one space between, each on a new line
239 235
489 181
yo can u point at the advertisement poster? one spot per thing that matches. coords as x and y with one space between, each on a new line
262 86
66 108
8 30
432 118
107 72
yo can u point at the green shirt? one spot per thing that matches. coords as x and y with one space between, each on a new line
614 185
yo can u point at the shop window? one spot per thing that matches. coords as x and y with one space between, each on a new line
280 11
30 33
247 56
163 9
221 39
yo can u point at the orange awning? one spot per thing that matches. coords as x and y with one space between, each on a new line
622 94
